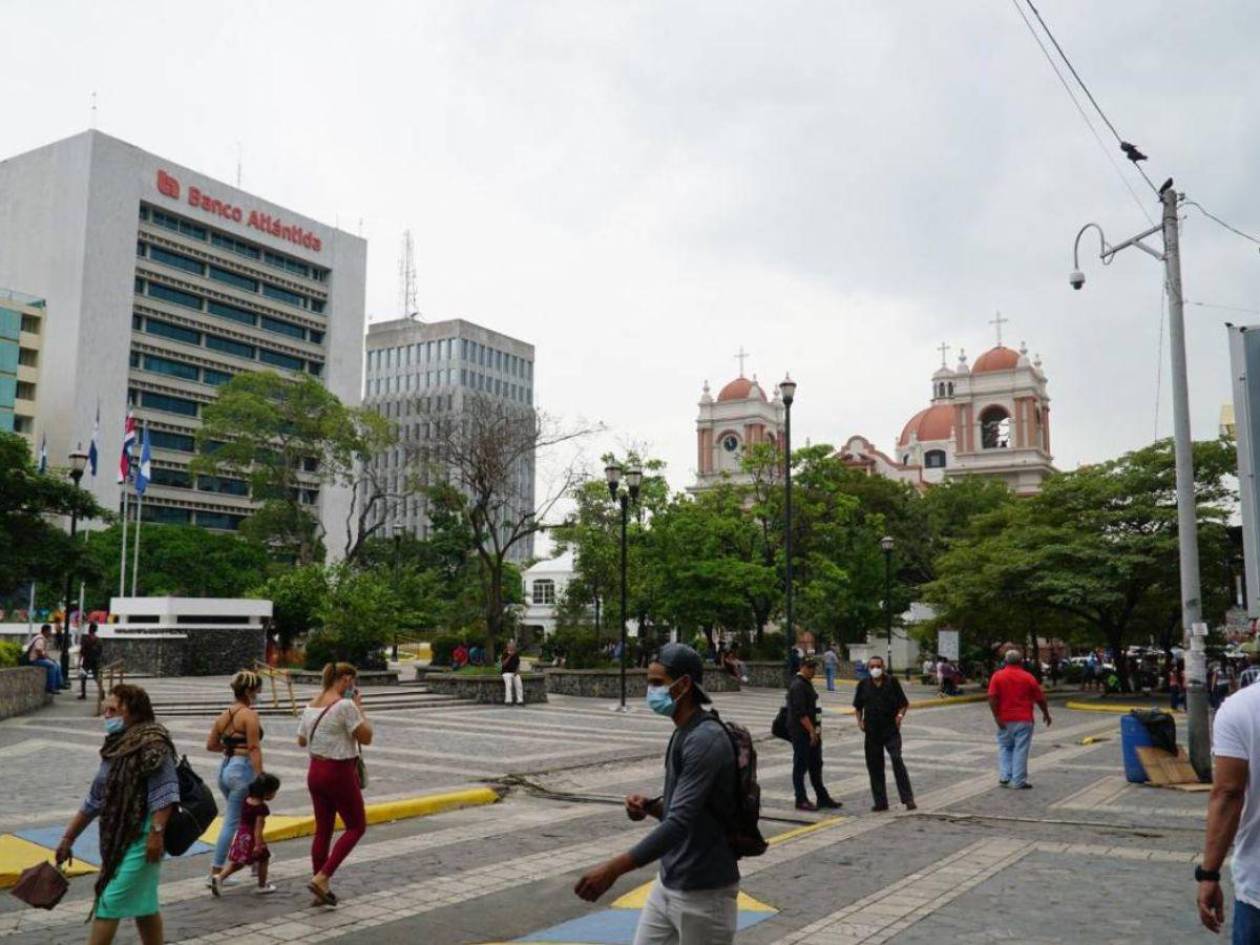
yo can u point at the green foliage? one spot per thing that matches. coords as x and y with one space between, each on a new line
33 546
297 597
359 616
9 653
444 644
580 649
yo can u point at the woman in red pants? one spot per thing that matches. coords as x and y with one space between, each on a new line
332 729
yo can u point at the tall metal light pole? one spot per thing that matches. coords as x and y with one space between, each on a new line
78 462
1187 513
787 391
397 535
634 477
887 544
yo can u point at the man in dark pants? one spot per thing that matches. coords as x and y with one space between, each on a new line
880 704
805 730
89 660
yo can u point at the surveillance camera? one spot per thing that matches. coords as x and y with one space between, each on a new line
1076 279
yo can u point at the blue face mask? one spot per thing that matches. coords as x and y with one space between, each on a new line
115 724
660 701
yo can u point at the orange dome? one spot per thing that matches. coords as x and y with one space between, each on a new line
1000 358
740 389
930 425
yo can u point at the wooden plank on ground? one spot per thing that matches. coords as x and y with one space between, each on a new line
1164 768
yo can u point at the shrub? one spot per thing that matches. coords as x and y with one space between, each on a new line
9 653
772 646
580 649
443 645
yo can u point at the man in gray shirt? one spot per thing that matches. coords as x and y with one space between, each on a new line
694 899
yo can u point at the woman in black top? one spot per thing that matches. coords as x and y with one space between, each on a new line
510 667
238 734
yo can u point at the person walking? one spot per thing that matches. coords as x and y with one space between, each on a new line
1013 691
249 845
805 732
693 901
36 652
1233 818
510 667
237 734
133 793
831 665
1177 686
333 728
89 659
880 704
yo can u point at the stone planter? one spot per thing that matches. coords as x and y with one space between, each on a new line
22 690
487 689
766 674
606 683
365 677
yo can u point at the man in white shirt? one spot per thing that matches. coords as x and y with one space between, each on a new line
1234 817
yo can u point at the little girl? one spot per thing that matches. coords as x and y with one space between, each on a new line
248 846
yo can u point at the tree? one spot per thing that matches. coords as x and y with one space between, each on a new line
32 547
297 596
487 454
287 437
1094 553
175 560
358 615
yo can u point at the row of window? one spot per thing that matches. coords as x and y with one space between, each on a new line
187 372
169 515
233 313
238 349
182 479
444 377
493 385
218 274
423 405
232 244
444 349
187 443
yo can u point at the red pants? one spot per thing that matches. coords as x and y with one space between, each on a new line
334 787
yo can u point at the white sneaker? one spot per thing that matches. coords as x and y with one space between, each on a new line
230 881
266 890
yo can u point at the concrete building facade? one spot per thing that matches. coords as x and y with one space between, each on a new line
21 342
164 283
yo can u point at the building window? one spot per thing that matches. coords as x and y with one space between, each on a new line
175 260
215 378
220 520
280 360
223 485
283 328
166 366
228 346
233 245
995 429
176 478
187 408
28 357
179 225
730 442
934 459
283 295
315 337
234 279
232 312
180 442
174 332
166 515
30 324
544 591
174 296
24 390
315 368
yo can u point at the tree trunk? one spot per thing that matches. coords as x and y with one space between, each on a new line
1115 640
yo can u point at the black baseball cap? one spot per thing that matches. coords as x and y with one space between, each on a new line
681 660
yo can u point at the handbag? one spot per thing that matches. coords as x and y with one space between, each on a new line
360 769
193 814
41 886
779 727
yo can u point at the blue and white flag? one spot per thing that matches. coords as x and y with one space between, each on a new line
143 476
93 453
43 455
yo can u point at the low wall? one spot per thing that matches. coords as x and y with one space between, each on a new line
485 688
364 677
212 651
606 683
22 690
146 654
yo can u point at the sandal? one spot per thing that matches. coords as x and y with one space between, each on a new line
323 897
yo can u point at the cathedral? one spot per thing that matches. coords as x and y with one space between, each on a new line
990 418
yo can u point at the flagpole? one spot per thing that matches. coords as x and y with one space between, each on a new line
135 561
122 564
142 486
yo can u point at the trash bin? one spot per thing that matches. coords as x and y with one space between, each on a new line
1133 735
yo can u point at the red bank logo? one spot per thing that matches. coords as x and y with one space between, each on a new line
168 185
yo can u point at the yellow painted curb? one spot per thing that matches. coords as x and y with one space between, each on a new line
1098 707
922 703
17 855
825 824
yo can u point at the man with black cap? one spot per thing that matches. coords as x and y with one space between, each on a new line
805 730
694 898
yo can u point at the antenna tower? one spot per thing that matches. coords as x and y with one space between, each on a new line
407 277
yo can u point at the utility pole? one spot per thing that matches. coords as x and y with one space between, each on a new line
1187 510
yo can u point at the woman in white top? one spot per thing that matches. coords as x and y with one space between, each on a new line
333 727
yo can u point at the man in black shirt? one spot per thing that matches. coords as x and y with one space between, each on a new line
89 659
805 731
880 705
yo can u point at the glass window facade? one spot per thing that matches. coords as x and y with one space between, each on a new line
181 442
283 328
155 401
283 295
178 261
175 296
228 346
174 332
232 312
235 279
280 360
167 366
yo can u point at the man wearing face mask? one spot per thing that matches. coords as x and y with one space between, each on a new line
694 898
880 704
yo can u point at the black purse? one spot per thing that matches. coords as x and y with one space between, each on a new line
196 809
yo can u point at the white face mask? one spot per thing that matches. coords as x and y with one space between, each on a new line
876 672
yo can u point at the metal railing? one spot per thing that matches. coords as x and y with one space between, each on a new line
270 672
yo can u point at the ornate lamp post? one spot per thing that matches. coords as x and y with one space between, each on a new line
78 462
634 478
887 544
787 391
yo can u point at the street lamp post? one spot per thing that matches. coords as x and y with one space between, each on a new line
634 478
78 462
787 391
887 544
397 543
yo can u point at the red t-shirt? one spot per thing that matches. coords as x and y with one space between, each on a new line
1017 691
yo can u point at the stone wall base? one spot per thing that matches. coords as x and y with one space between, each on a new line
22 690
488 689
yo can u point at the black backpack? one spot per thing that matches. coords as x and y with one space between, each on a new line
193 814
742 835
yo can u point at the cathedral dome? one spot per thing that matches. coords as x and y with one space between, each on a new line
932 424
741 389
1000 358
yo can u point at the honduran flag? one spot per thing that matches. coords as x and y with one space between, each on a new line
144 472
128 445
93 453
43 455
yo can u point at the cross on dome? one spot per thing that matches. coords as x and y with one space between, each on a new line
741 357
999 321
944 349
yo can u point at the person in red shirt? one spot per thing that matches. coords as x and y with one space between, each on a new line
1013 691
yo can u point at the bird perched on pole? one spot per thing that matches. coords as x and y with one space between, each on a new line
1131 152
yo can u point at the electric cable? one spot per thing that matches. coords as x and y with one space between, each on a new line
1084 117
1213 217
1159 354
1226 308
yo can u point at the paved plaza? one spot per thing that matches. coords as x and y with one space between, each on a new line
1084 856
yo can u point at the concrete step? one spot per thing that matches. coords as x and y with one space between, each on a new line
384 699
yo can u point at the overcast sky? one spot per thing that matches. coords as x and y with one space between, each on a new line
639 189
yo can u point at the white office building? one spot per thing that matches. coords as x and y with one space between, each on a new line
165 283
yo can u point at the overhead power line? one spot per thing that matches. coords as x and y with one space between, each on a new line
1213 217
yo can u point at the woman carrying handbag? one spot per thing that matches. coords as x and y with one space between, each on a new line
332 729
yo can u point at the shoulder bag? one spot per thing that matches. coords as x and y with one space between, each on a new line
360 769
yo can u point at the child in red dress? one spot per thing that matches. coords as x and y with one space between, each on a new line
248 846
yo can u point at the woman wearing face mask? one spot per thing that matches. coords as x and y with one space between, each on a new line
133 793
333 727
236 733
